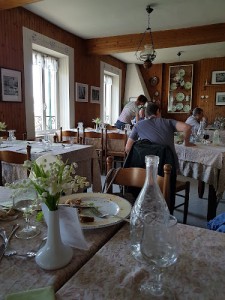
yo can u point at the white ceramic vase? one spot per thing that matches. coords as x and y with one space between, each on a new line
54 255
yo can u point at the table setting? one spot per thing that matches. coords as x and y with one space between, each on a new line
30 260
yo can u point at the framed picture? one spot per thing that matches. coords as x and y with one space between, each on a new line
220 98
95 94
218 77
81 92
11 85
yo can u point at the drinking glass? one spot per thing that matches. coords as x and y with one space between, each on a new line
26 203
159 249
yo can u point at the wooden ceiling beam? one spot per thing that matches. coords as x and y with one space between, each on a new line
162 39
7 4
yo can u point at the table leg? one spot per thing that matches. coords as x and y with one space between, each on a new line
212 203
201 188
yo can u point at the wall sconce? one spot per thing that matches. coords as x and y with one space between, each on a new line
204 98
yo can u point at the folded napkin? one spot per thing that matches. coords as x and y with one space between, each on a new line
70 229
46 293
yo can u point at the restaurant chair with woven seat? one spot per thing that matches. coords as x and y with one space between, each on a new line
96 139
12 157
115 146
136 158
133 177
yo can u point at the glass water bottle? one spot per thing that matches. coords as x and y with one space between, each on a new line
149 200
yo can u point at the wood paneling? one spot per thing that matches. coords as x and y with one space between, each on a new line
87 67
162 39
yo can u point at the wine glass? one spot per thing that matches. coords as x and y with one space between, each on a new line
26 203
159 249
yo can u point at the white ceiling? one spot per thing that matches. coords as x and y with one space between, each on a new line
102 18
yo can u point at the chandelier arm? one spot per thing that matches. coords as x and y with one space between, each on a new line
140 42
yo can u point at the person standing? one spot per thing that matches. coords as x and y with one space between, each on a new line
196 117
130 111
158 130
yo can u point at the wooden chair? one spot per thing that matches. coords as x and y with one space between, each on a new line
64 136
115 146
111 127
13 157
4 134
134 177
96 139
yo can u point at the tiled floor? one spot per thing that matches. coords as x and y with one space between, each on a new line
197 207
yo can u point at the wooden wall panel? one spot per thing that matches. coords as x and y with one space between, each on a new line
87 67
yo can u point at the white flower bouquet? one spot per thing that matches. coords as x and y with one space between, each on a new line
50 182
2 126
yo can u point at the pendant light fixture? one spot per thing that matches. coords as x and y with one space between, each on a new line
148 54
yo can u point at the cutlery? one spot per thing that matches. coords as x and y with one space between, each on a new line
77 205
98 214
29 254
7 239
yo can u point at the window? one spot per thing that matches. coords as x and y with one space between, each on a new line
45 91
111 87
34 41
108 80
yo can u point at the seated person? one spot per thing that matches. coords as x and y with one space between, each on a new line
158 130
130 111
196 117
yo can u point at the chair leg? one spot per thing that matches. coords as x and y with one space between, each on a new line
186 202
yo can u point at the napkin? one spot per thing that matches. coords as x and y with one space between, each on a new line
46 293
70 229
218 223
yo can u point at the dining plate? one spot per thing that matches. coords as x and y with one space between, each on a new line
106 204
180 96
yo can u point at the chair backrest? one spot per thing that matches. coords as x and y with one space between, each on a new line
93 138
13 157
135 177
65 135
113 136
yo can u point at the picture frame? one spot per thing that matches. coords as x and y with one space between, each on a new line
11 85
220 98
81 92
218 77
95 94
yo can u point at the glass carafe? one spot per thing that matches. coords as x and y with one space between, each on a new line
11 135
200 132
150 200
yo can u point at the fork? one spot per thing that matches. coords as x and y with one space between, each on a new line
98 214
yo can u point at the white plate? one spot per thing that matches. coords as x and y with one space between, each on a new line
187 85
180 96
173 86
181 72
106 203
186 108
174 108
179 106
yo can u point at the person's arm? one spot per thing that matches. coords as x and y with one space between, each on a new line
129 145
137 117
186 129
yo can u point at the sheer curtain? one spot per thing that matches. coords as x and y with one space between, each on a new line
108 80
45 89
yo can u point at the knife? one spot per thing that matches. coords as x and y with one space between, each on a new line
4 247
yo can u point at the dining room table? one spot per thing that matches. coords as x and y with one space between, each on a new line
112 273
22 273
84 155
206 163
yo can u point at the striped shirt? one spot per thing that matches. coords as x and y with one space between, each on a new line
128 113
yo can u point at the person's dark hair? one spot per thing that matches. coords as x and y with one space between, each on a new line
142 99
197 111
151 109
